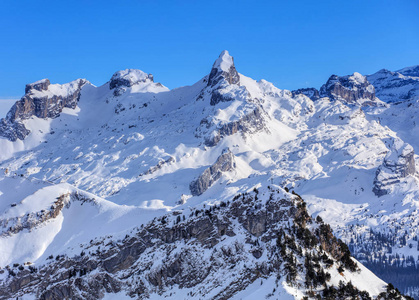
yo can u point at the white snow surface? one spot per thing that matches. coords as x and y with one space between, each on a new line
224 61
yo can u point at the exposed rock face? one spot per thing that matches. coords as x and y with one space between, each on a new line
187 253
31 220
312 93
41 85
251 123
353 89
395 86
398 163
225 163
223 69
13 130
137 80
157 167
128 78
41 100
223 79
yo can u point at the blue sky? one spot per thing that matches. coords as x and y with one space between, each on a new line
290 43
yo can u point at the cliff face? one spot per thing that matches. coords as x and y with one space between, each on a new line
398 164
196 255
225 163
41 100
312 93
352 89
224 80
250 123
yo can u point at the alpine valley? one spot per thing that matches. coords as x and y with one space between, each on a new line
227 189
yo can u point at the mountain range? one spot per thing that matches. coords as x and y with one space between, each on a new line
227 189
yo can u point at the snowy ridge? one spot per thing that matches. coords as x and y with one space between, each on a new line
144 145
215 252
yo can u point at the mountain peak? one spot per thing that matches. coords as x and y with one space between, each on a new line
40 85
223 69
224 62
129 77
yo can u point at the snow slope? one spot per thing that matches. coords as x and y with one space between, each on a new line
134 147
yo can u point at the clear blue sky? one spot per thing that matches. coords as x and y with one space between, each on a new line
290 43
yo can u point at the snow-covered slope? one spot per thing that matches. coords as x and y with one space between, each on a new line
134 151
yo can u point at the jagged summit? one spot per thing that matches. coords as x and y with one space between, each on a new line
351 89
42 100
223 69
40 85
85 197
224 62
129 77
135 79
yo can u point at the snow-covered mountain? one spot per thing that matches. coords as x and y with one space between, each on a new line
129 187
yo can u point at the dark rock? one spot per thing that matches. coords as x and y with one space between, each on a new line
312 93
351 89
223 70
398 163
225 163
164 256
36 104
126 78
250 123
159 165
41 85
223 74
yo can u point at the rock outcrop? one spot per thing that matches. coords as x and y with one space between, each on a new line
223 70
224 163
312 93
41 100
398 163
250 123
224 80
201 254
28 221
127 78
352 89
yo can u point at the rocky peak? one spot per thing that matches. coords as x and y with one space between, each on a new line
224 81
41 85
136 80
351 89
42 100
223 69
128 78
